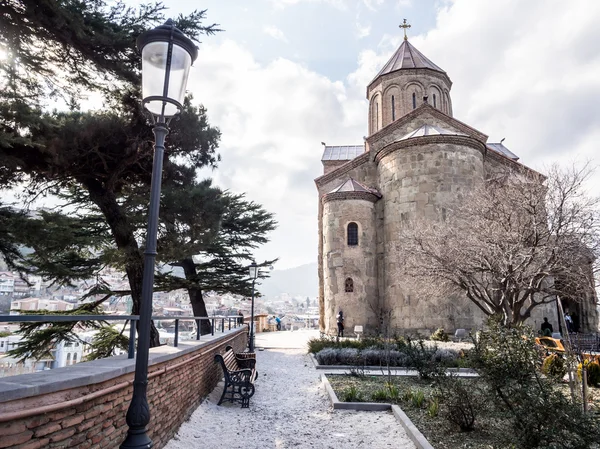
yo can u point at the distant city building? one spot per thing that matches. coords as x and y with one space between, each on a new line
34 304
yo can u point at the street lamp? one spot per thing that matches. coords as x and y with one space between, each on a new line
253 271
167 55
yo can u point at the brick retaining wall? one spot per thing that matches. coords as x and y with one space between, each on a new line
83 406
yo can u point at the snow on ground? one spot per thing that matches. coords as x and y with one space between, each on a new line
290 409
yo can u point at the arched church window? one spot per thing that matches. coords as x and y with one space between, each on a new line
376 116
434 101
393 109
414 100
349 285
352 234
68 358
74 358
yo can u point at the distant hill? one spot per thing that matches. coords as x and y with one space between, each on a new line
297 281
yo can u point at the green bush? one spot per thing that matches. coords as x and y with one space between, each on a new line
316 345
421 358
593 373
541 415
439 335
554 366
4 333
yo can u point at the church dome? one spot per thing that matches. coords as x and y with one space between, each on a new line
407 57
406 81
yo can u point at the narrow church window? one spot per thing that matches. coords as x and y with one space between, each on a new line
434 102
376 116
349 285
393 109
352 234
414 100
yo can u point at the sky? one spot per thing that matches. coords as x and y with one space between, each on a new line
286 75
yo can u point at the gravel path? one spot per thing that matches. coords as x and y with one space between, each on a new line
290 409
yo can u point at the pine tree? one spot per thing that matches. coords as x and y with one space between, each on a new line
99 154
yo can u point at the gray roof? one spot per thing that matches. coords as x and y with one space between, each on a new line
407 57
342 152
430 130
499 148
352 185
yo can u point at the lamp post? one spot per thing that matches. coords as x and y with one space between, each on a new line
167 55
253 271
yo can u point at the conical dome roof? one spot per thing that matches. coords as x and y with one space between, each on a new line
407 57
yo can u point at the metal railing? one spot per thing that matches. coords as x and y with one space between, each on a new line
216 323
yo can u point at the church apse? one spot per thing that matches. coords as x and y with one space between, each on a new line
349 245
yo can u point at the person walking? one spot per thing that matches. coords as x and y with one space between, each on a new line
340 324
278 323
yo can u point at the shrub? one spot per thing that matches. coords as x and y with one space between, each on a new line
593 373
554 366
420 357
439 335
446 356
316 345
352 394
327 356
540 414
459 401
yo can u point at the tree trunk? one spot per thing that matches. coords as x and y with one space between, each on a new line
125 240
195 294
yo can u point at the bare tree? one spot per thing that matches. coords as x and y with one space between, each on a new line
513 243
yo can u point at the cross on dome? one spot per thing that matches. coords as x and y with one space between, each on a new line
404 26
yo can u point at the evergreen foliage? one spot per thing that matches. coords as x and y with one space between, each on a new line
541 416
99 163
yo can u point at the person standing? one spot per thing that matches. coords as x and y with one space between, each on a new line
340 324
569 322
278 323
546 328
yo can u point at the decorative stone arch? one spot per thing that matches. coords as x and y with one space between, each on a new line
447 103
392 104
375 114
436 98
413 101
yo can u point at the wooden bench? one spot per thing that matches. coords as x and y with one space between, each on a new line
240 373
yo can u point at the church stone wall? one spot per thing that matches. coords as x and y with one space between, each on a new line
341 261
422 181
401 85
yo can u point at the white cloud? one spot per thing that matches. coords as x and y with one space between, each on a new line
273 118
516 73
275 33
362 30
280 4
373 4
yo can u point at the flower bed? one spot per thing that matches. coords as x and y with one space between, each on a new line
419 399
394 353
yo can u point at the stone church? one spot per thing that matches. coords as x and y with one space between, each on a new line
413 162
